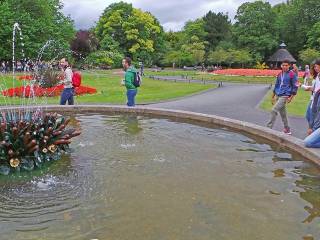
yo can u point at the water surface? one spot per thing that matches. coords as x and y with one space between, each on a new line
132 177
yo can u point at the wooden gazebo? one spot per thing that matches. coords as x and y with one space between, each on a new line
281 54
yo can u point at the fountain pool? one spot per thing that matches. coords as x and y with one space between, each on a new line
138 177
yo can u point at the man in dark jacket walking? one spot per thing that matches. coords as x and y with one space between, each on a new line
284 90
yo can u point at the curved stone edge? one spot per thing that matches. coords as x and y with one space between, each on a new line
289 142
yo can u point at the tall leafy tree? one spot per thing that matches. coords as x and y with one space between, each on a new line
130 31
309 55
195 28
84 43
218 28
254 28
40 21
295 20
314 37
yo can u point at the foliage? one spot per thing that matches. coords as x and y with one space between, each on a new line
295 19
261 65
104 59
84 43
28 144
308 55
130 31
195 28
314 37
229 57
254 28
46 77
186 47
40 20
218 28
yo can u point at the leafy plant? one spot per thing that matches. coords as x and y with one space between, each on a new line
28 143
261 65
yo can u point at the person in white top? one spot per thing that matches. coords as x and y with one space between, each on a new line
306 75
314 88
68 91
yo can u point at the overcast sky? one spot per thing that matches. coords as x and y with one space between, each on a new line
171 13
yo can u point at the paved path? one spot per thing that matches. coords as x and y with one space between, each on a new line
237 101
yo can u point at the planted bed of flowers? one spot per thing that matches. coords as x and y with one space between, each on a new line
38 91
250 72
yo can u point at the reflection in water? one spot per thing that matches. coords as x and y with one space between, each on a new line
131 124
132 177
311 185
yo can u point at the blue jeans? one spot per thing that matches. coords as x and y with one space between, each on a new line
309 113
67 95
313 140
131 94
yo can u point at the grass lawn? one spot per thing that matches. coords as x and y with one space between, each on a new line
109 90
297 107
191 74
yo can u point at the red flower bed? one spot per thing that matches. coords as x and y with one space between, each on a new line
48 92
26 77
250 72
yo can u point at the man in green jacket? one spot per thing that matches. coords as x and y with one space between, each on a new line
128 81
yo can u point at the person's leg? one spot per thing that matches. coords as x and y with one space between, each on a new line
274 113
131 93
70 97
313 140
308 112
130 98
64 97
283 112
134 94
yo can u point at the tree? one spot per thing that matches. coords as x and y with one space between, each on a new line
254 28
309 55
196 48
195 28
230 56
295 19
130 31
186 47
40 21
217 27
242 57
179 57
84 43
314 37
218 56
104 59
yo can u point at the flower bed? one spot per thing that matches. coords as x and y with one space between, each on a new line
41 92
250 72
26 77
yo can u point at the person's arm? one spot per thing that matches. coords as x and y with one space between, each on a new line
307 87
273 97
294 90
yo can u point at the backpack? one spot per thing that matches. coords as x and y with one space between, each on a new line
76 79
137 80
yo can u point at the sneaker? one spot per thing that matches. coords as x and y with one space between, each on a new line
287 131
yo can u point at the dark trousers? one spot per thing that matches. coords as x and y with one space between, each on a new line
67 96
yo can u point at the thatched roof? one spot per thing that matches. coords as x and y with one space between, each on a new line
281 54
